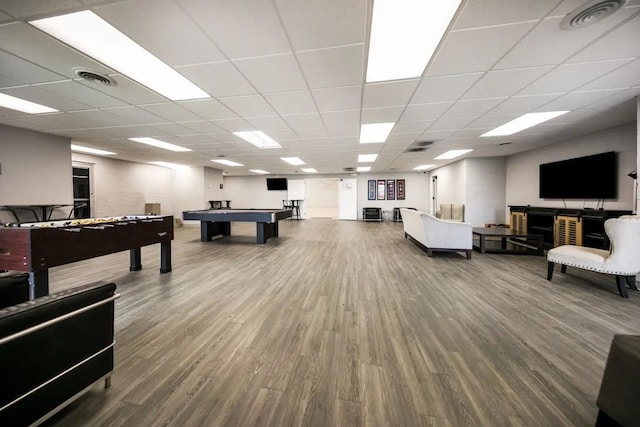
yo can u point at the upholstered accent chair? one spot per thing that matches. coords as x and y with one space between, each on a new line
436 235
451 212
622 260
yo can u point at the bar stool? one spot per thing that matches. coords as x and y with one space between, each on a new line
295 206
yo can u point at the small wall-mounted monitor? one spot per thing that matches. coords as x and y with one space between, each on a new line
276 184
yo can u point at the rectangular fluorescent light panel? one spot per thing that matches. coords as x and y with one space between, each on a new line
13 103
367 158
227 162
364 168
309 170
423 167
168 165
260 171
452 154
257 138
375 132
95 37
404 36
160 144
523 122
293 161
81 149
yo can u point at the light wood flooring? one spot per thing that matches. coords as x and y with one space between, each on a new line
340 323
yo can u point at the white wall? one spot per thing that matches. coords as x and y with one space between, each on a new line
188 191
451 183
416 192
212 181
485 199
523 168
35 168
251 192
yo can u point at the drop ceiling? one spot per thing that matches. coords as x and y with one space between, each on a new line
295 70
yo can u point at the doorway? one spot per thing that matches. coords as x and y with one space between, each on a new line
81 192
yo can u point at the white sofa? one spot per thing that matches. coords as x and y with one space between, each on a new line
436 234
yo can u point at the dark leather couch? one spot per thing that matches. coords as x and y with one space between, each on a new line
14 288
54 348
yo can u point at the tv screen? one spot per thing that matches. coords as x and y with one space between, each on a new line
276 184
590 177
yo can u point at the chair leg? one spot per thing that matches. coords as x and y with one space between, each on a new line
468 254
631 281
107 382
563 269
550 266
622 288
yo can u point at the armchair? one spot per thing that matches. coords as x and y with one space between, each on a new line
622 261
451 212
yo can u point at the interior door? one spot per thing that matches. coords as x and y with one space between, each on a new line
348 199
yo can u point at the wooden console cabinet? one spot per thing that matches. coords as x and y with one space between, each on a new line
561 226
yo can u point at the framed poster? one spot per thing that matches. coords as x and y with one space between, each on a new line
391 189
381 189
372 189
400 192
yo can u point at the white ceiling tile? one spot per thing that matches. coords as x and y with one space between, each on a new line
324 23
81 93
519 105
311 133
388 93
169 129
307 120
434 136
440 89
480 13
39 96
169 44
291 102
126 90
535 48
338 98
425 111
609 46
450 124
228 80
268 123
231 24
137 115
276 73
248 106
624 77
343 131
412 127
171 111
504 82
467 51
208 109
381 115
570 76
339 66
576 100
103 118
22 8
202 126
472 107
23 72
59 121
341 118
26 42
282 135
234 125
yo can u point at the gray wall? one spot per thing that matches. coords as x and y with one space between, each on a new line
35 168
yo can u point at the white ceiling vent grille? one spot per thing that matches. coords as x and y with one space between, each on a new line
94 77
590 13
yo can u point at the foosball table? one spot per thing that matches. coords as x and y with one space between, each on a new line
36 247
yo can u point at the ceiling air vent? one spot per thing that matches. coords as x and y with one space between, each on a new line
414 149
424 143
349 169
590 13
94 77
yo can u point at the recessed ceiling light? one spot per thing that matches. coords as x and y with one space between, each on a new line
257 138
523 122
452 154
367 158
423 167
375 132
364 168
160 144
260 171
98 39
404 36
81 149
168 165
227 162
293 161
8 101
309 170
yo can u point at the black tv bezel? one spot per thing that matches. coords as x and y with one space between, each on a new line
574 178
279 187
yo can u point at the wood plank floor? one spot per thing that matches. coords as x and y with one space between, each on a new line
348 324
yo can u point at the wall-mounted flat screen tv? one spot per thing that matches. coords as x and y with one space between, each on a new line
276 184
590 177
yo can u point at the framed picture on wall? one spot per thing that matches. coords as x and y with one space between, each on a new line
391 189
400 192
372 189
381 189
